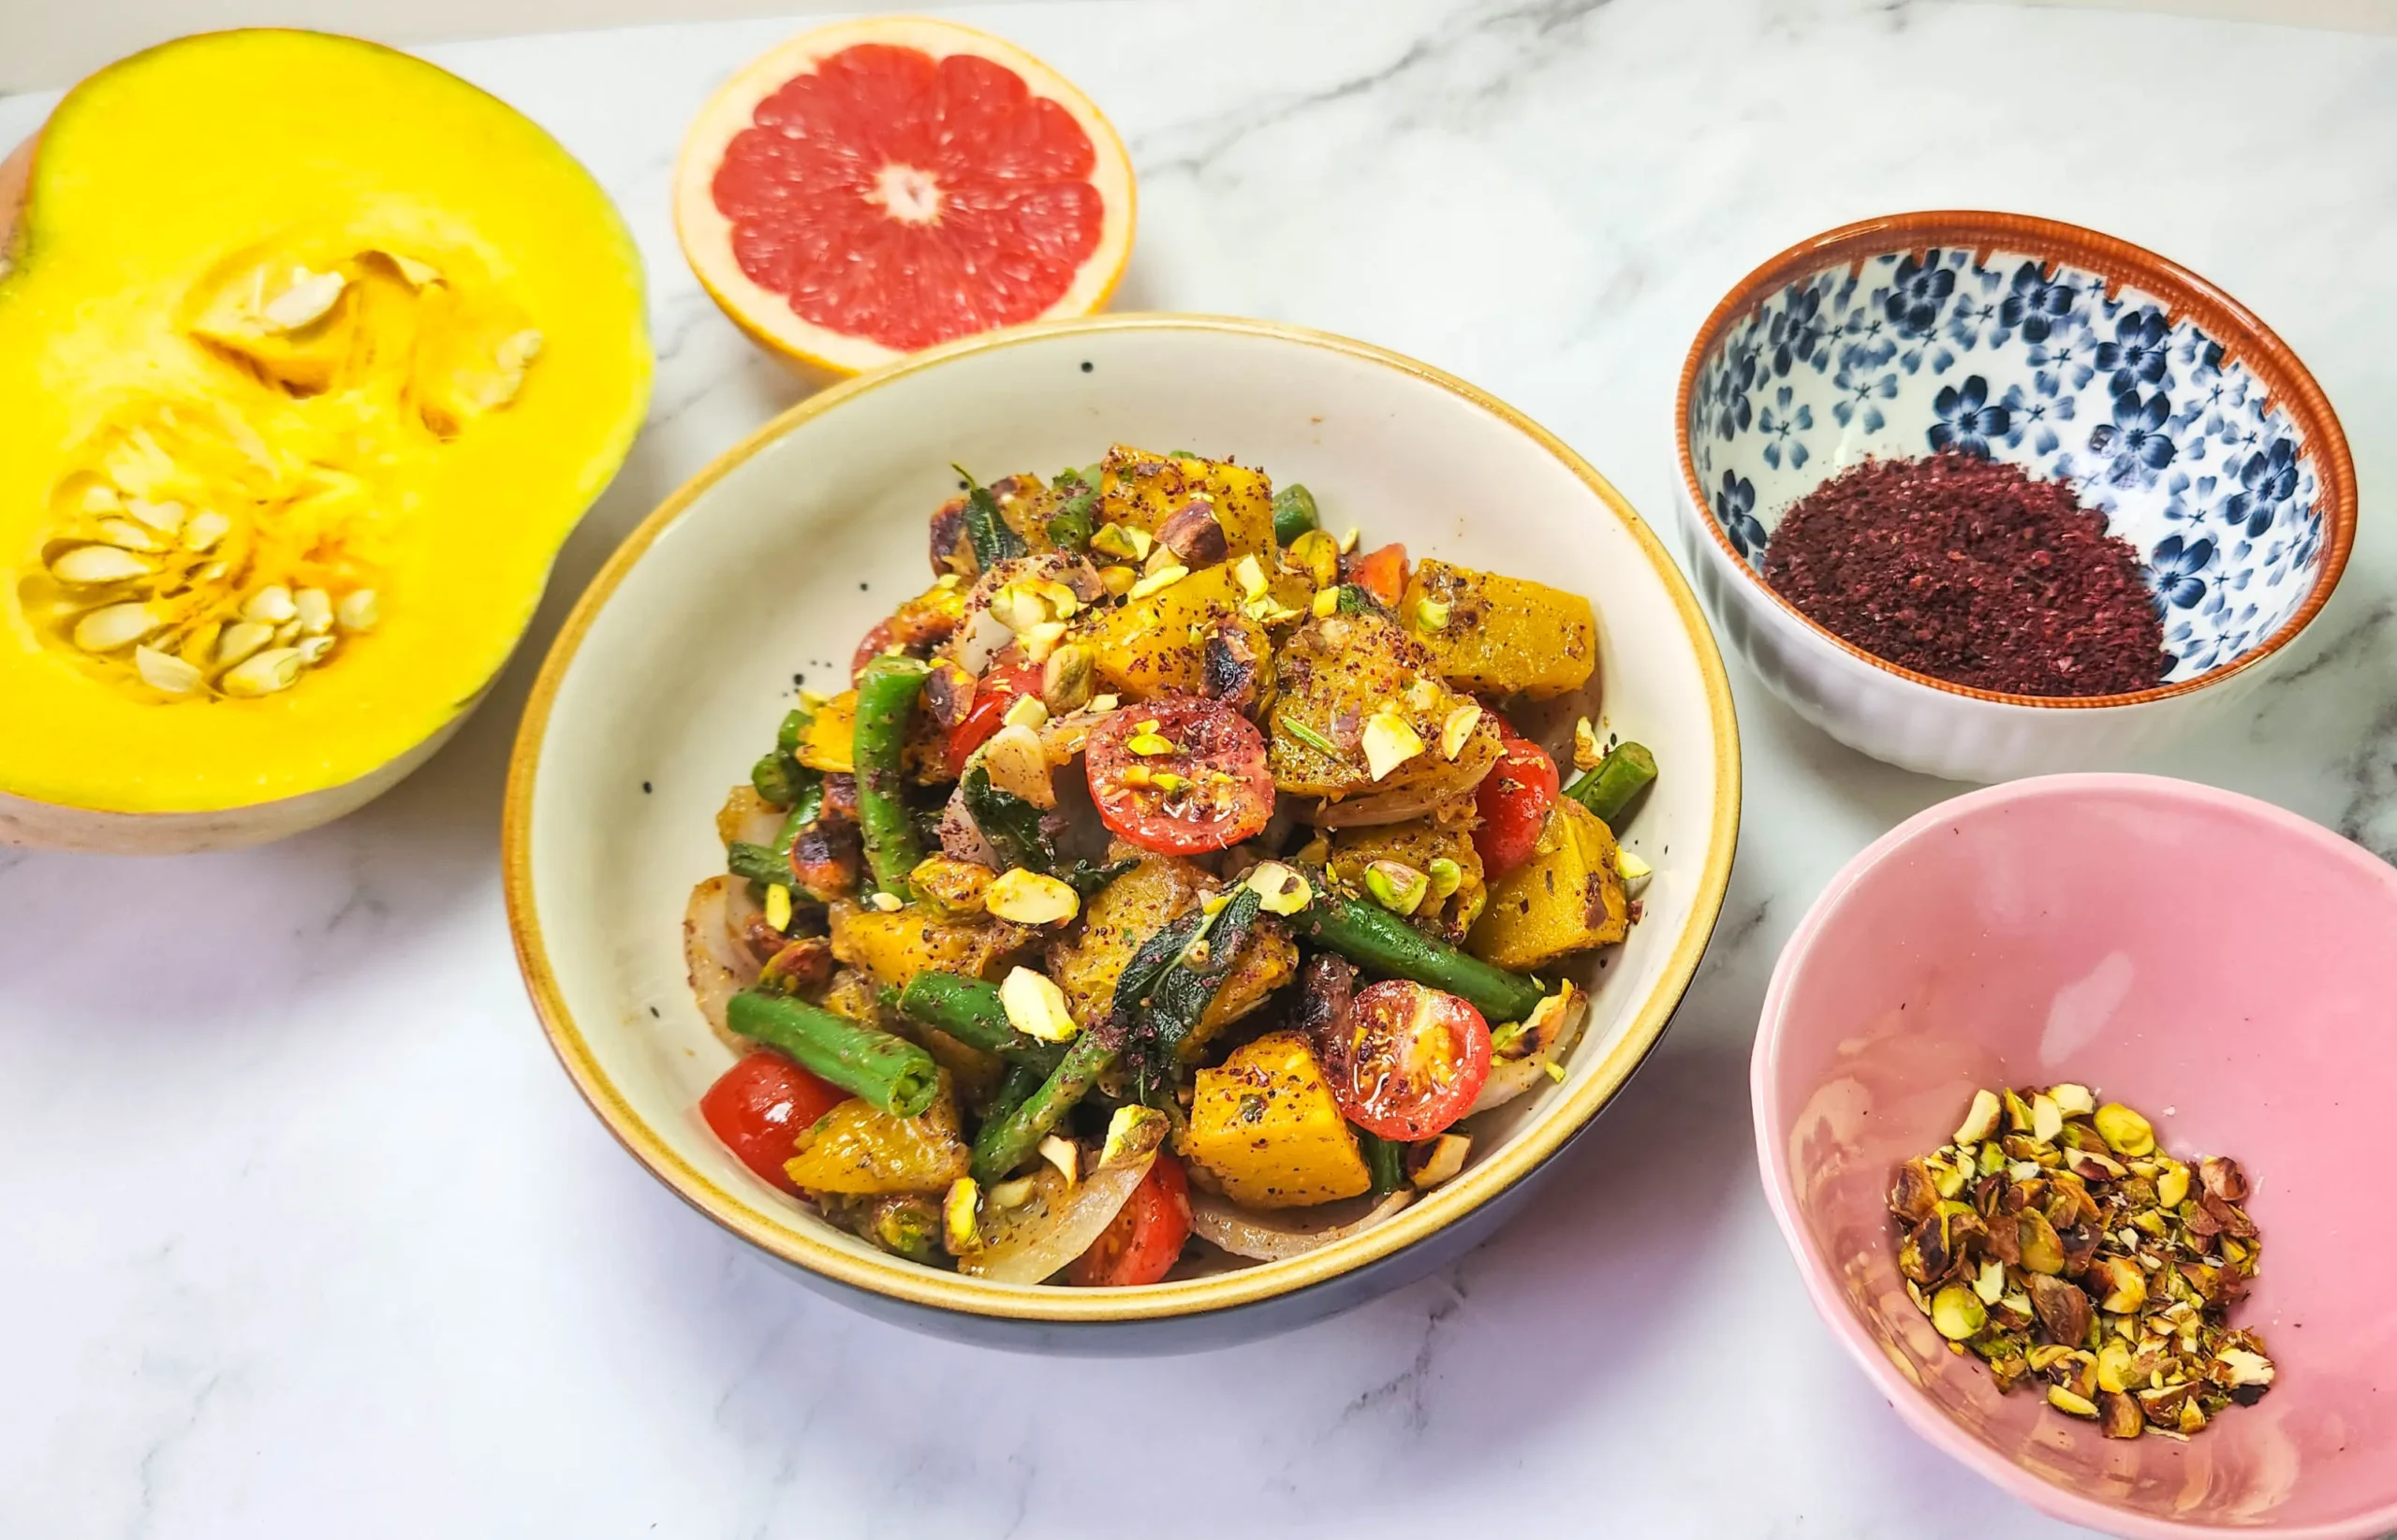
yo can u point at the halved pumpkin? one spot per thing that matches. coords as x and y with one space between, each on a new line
310 356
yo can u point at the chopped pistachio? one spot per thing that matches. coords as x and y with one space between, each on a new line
1396 885
1457 731
1065 1154
1588 753
1131 1129
2124 1131
1159 580
1979 1120
1035 1006
1958 1313
1389 740
2074 1101
959 1213
1280 890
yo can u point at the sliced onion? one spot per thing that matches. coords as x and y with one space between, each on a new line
980 640
1018 766
1057 1222
1272 1236
1387 807
719 961
1511 1078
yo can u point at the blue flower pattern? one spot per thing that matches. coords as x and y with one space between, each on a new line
2179 446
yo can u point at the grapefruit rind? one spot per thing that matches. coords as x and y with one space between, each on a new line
766 317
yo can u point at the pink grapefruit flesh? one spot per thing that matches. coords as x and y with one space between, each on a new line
873 188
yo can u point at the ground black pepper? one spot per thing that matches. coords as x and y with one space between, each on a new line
1968 570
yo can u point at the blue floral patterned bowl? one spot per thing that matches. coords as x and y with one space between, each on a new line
2177 413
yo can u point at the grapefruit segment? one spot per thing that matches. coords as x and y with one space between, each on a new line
880 187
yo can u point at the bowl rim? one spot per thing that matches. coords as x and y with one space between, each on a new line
2183 294
935 1289
1914 1408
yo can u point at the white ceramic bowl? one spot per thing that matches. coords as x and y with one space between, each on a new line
681 658
2073 354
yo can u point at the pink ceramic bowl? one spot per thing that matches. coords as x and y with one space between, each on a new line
2223 967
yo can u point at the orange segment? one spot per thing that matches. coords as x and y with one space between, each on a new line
884 185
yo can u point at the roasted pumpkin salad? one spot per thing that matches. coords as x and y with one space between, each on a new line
1171 870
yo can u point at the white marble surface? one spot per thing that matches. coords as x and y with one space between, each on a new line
306 1234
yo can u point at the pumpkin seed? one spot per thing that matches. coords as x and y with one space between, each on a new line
90 566
271 605
166 518
358 610
127 536
315 609
116 625
240 641
264 673
304 299
206 528
165 671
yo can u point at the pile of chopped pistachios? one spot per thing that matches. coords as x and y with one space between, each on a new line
2056 1240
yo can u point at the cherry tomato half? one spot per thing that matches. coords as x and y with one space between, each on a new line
1411 1061
1180 774
1513 800
1145 1238
759 1106
1001 686
1381 573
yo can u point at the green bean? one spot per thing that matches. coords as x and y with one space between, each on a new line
1373 937
890 1072
886 698
1022 1081
968 1009
759 863
1294 513
1386 1159
778 776
1607 788
1006 1142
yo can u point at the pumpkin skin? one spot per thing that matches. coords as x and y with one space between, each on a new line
159 187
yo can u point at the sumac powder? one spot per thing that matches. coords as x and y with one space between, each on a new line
1968 570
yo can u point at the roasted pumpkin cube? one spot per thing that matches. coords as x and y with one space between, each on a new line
1566 899
1265 1125
830 741
1419 844
896 946
1144 490
1500 636
1333 678
858 1148
1136 907
1157 644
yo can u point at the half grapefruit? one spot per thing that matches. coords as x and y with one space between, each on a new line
883 185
